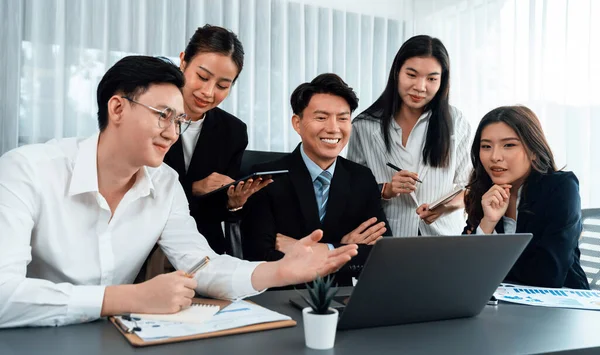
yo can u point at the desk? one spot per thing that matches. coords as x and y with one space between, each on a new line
505 329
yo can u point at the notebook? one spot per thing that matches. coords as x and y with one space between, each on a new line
445 198
196 314
234 318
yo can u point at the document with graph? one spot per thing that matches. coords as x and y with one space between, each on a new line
549 297
236 315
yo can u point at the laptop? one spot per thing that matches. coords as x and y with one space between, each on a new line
420 279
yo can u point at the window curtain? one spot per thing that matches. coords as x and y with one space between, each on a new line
56 51
539 53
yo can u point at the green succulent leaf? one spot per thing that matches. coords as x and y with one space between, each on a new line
321 292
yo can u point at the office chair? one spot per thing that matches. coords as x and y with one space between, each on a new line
250 158
589 244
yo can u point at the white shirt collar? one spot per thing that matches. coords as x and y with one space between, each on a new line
313 169
85 171
424 117
85 168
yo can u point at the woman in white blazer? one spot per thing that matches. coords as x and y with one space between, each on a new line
412 126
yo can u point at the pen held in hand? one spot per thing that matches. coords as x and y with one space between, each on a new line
398 169
125 328
194 269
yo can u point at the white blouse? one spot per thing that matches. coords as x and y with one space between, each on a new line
367 147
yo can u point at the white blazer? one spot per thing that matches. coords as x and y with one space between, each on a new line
367 147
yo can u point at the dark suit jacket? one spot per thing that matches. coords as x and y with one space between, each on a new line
289 206
220 147
550 209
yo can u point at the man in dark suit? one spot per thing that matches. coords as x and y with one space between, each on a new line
322 190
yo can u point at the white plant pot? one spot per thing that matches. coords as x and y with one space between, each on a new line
319 329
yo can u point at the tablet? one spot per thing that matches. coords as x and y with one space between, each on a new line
445 198
264 174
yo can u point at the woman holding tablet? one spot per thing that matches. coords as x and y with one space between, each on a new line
209 152
415 143
516 188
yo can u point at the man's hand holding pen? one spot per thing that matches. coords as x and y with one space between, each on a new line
165 293
168 293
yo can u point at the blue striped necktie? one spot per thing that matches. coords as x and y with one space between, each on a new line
323 182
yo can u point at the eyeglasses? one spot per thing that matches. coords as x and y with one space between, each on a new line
166 117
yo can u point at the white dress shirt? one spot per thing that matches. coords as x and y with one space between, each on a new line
59 247
189 139
367 147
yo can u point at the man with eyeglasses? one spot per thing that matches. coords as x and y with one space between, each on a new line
79 217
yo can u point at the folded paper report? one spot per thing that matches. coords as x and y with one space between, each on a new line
235 315
196 313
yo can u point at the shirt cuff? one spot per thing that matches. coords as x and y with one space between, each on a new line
242 280
330 246
382 188
85 304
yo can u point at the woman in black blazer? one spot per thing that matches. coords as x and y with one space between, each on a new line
209 152
516 188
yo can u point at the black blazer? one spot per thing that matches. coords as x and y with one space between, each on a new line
220 147
289 206
550 209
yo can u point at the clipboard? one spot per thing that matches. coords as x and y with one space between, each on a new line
445 198
272 174
136 341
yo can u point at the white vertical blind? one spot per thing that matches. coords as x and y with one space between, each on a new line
540 53
535 52
58 51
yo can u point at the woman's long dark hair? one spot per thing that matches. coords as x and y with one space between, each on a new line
436 152
529 130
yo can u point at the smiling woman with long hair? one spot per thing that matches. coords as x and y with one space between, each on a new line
412 126
209 152
515 187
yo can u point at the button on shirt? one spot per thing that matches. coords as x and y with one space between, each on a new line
60 248
410 154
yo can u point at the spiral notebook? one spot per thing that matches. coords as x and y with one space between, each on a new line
196 314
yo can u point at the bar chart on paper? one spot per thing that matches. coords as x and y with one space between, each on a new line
549 297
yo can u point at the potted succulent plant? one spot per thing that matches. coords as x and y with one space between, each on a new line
320 320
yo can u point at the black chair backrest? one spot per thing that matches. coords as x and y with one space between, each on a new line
253 157
589 244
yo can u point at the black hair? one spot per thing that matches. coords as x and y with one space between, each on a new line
131 77
436 151
215 39
327 83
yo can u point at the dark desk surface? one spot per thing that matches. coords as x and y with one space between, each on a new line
505 329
